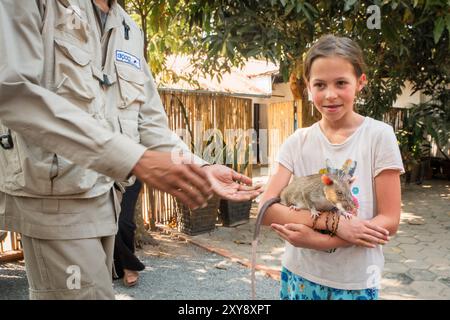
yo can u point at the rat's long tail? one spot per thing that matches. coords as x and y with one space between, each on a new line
261 214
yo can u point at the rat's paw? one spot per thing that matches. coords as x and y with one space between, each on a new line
314 213
295 208
346 214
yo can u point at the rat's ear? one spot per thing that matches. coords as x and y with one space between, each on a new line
326 180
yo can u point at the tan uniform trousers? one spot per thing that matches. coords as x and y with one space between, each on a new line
69 269
59 268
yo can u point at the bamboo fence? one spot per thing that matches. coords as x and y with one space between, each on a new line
197 118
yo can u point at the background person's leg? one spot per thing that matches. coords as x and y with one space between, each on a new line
124 249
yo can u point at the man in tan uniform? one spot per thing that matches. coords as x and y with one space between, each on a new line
79 113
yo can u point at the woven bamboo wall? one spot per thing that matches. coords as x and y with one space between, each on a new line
281 126
230 116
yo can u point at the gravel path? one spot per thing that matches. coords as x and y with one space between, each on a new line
175 270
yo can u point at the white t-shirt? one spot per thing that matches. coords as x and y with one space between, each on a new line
374 148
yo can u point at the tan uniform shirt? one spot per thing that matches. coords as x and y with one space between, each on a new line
81 106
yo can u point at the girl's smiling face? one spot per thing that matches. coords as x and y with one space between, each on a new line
334 85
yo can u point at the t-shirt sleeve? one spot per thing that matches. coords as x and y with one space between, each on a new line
285 154
387 152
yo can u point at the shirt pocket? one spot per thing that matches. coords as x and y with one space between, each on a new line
131 93
73 74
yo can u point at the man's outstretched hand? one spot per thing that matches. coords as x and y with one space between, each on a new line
230 185
182 179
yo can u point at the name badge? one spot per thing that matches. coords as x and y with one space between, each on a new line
123 56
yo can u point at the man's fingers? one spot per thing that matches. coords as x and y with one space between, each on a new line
241 178
200 182
243 187
242 195
183 197
192 193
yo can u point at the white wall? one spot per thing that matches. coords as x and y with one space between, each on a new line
405 99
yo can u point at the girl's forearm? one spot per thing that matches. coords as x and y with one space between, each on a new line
280 214
326 242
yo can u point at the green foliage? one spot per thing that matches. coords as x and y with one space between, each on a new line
412 43
165 23
430 118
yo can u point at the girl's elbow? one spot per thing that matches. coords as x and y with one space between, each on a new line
393 230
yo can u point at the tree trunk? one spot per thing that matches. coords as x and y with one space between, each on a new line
144 30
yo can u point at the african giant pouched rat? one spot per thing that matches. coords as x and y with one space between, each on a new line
329 191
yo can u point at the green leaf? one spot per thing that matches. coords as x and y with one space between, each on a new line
311 8
288 9
254 52
447 18
308 15
439 26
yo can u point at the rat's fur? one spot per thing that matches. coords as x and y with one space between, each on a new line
311 193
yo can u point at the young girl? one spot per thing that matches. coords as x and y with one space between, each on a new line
346 141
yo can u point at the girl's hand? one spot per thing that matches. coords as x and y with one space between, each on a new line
298 235
362 232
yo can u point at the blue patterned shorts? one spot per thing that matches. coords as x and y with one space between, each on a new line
294 287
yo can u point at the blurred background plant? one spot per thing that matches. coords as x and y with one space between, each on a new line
423 124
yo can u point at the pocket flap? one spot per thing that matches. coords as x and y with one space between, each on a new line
129 74
73 52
